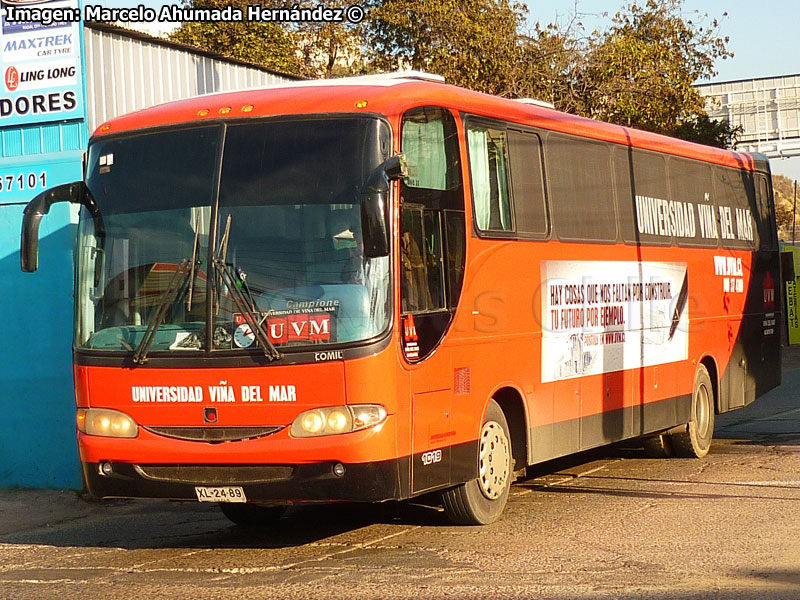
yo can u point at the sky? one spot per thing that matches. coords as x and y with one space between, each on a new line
764 42
763 36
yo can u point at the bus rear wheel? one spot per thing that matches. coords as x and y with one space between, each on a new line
481 501
251 515
695 442
658 446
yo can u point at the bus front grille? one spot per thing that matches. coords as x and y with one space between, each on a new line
213 434
215 474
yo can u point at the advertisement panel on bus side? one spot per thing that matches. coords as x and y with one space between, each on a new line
606 316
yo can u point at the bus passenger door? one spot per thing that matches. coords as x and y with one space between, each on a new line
430 464
432 256
425 319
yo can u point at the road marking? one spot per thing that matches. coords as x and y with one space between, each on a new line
142 568
786 484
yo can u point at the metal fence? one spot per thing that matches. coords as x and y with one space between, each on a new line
768 109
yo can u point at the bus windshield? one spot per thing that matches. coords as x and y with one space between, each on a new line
277 201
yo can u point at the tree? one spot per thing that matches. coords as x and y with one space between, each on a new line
783 190
265 44
641 71
331 49
549 66
702 129
472 43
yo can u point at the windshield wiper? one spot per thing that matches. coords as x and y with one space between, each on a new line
250 314
224 276
167 298
194 263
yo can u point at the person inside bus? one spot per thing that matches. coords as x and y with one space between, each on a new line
416 296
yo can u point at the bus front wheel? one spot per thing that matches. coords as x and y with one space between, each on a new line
481 501
696 440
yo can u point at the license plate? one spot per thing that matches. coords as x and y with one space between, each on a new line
227 493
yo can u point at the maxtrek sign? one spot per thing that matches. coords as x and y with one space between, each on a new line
40 66
36 47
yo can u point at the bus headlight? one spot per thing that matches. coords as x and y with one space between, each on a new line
106 422
337 419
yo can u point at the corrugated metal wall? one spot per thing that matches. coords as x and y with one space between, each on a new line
125 73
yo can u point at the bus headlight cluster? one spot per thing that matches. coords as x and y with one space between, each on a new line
106 422
337 419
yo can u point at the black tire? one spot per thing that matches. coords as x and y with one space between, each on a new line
481 501
658 446
251 515
695 442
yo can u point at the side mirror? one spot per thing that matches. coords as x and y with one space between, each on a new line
40 206
375 206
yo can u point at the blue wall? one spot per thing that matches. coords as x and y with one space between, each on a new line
37 428
39 150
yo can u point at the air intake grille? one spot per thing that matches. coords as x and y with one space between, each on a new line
215 474
214 434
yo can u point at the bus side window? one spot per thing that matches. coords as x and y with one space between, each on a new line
691 183
432 232
580 189
422 282
488 166
527 181
734 195
765 227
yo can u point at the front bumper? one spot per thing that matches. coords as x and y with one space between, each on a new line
279 484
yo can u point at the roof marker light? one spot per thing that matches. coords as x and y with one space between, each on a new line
224 110
202 113
247 108
361 104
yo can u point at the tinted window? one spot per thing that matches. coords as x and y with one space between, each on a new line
301 162
525 156
427 135
734 196
692 185
430 145
581 190
765 226
647 173
154 171
488 164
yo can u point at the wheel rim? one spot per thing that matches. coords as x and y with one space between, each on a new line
493 461
702 409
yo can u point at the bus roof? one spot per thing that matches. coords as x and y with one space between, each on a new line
391 95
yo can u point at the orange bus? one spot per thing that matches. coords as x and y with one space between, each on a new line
375 288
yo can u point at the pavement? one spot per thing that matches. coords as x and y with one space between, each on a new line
775 416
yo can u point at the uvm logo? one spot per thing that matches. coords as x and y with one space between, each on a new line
12 78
